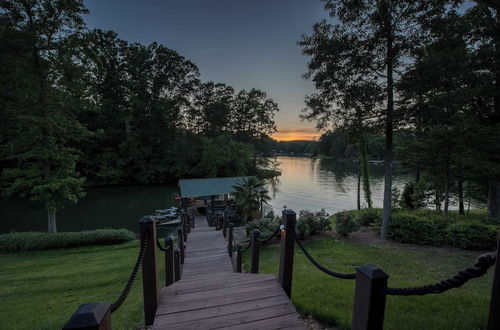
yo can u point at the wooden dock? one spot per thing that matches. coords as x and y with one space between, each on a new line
211 295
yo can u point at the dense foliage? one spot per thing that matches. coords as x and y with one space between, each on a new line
310 223
86 106
35 241
250 196
473 235
346 223
426 76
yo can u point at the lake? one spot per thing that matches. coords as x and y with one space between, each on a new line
305 183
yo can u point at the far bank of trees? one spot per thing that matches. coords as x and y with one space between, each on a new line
80 107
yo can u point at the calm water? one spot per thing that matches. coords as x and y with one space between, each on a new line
307 183
304 184
116 207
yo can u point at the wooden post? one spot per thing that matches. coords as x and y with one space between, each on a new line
239 260
147 228
224 224
254 266
177 264
230 240
169 261
188 224
494 318
369 298
193 216
93 316
184 226
180 242
286 250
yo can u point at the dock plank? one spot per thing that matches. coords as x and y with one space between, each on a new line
211 295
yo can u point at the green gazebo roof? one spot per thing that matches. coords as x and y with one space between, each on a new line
208 187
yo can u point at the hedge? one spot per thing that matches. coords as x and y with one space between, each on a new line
409 227
33 241
472 235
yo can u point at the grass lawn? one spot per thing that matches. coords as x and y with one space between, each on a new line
330 300
41 290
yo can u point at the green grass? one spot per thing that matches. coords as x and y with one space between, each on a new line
330 300
41 290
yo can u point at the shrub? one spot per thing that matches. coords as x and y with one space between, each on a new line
310 223
472 235
346 223
266 226
410 227
366 217
411 197
31 241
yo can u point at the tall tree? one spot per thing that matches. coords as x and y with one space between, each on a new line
41 138
368 42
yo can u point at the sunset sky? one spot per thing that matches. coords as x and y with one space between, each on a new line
244 43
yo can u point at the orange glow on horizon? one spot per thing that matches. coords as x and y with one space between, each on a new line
295 134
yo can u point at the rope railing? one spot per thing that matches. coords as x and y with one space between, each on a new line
243 250
326 270
161 247
270 237
480 267
118 302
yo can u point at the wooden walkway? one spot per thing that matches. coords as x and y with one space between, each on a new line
211 296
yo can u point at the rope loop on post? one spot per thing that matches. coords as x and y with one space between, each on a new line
270 237
118 302
161 247
321 267
480 268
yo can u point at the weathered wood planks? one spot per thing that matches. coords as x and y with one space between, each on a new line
211 296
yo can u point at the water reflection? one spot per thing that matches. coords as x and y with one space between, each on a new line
307 183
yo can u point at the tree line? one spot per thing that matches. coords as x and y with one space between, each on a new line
81 107
427 69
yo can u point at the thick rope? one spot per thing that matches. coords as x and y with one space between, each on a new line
161 247
480 268
118 302
247 247
273 235
321 267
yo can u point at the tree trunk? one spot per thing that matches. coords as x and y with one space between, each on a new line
51 217
469 196
494 200
446 192
359 186
386 216
494 185
461 209
365 174
438 201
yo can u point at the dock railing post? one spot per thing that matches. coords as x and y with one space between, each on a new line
224 224
239 258
147 228
254 266
287 246
494 318
180 242
193 217
369 298
93 316
230 240
177 265
184 226
169 260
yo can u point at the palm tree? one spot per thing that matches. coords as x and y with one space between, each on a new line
249 195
